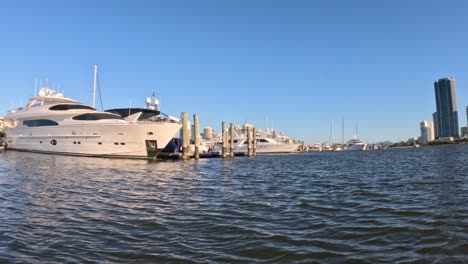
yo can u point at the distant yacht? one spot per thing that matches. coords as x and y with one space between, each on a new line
267 143
326 147
337 147
355 144
315 147
264 146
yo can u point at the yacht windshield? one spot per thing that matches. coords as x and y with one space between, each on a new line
64 107
35 103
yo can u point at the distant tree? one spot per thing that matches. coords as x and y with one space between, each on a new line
441 142
401 144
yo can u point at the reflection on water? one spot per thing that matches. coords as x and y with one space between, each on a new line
401 205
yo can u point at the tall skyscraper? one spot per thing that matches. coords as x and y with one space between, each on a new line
427 131
446 117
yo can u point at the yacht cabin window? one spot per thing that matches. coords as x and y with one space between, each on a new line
96 116
39 122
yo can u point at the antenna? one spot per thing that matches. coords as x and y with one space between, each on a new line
94 86
35 87
100 96
356 129
47 82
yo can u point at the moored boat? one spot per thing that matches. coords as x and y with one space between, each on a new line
355 144
266 142
52 123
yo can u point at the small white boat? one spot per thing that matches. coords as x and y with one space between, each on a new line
315 147
337 147
326 147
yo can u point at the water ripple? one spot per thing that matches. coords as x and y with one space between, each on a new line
393 206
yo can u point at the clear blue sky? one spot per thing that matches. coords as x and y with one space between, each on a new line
302 64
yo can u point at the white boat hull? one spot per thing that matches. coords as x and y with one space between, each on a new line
356 147
269 149
265 149
125 140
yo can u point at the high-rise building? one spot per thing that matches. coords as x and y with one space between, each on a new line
427 131
464 131
446 117
436 127
208 133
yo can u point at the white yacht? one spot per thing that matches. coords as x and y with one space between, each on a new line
315 147
326 147
51 123
267 143
355 144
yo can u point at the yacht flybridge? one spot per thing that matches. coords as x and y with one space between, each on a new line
52 123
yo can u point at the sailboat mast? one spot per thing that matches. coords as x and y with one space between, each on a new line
94 86
356 129
342 131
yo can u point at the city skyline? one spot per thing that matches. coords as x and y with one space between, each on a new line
299 65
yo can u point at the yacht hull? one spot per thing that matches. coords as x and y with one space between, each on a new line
125 140
356 147
271 149
266 149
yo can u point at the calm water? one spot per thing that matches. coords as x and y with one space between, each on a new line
392 206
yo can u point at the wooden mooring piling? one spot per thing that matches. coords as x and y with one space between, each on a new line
227 140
